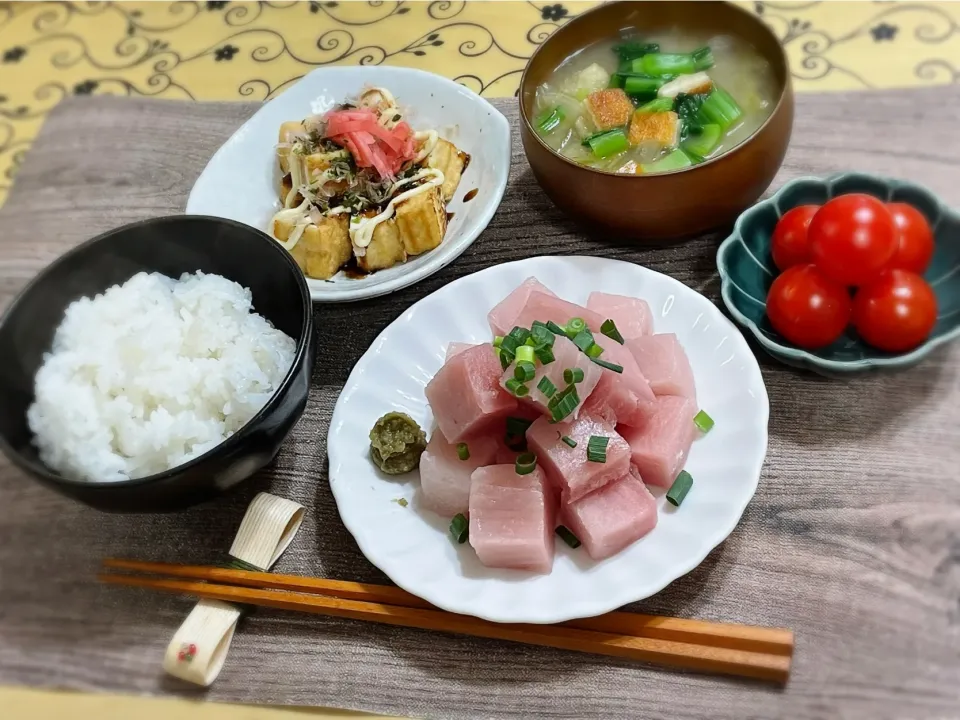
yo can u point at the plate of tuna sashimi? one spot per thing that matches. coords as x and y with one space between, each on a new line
576 434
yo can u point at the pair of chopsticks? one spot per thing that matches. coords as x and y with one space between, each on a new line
743 650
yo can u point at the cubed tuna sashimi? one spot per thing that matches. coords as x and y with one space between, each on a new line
567 356
611 518
665 365
512 518
568 467
465 395
456 347
632 316
659 449
445 478
503 317
547 307
623 397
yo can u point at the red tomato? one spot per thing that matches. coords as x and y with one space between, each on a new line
896 312
808 308
789 242
915 246
852 237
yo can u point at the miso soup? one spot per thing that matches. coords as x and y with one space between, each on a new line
649 103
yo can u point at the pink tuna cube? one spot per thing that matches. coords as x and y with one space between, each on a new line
659 449
465 394
632 316
620 398
512 518
567 356
445 478
503 317
616 515
548 307
665 365
568 467
456 347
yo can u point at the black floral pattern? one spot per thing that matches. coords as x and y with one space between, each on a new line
14 54
553 13
216 5
226 52
85 88
884 31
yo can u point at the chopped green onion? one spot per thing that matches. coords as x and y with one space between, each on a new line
702 58
676 160
549 120
509 344
568 537
636 84
460 528
555 329
530 342
524 371
463 451
542 336
594 351
516 387
657 106
569 441
573 375
704 142
632 50
720 109
568 403
555 400
526 463
519 334
547 387
544 354
583 340
703 421
517 426
505 358
575 327
597 448
608 143
608 365
609 328
525 354
681 486
498 341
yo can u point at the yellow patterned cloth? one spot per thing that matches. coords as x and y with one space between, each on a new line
253 50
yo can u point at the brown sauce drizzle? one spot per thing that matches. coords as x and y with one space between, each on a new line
471 194
353 271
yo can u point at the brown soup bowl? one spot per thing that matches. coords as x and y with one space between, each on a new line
671 205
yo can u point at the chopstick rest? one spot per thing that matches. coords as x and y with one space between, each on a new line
199 647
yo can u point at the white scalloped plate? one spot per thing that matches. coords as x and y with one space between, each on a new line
412 545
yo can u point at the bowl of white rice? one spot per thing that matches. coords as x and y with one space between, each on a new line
158 365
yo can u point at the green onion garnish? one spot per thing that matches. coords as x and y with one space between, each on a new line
583 340
703 421
519 334
573 375
546 387
505 358
555 329
526 463
575 327
524 371
525 354
568 403
516 387
594 351
597 448
544 354
517 426
609 328
498 341
548 121
568 537
608 365
542 336
569 441
463 452
681 486
460 528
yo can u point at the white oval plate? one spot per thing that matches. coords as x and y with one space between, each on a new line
412 546
240 181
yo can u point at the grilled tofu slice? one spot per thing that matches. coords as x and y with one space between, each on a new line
451 161
385 249
421 221
323 249
287 131
660 127
608 108
690 84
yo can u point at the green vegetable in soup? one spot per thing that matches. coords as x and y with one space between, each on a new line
639 84
702 144
720 108
658 105
548 121
607 143
676 160
632 50
674 63
396 443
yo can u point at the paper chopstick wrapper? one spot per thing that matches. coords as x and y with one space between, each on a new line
199 648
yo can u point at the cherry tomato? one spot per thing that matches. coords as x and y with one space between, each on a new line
789 242
852 237
915 246
808 308
896 312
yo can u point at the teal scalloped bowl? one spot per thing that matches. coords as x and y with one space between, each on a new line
747 270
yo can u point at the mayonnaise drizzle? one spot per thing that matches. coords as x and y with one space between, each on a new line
362 228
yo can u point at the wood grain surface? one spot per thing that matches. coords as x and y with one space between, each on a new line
853 538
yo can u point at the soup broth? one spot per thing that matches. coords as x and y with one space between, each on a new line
647 103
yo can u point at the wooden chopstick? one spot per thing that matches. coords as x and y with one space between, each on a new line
736 637
763 653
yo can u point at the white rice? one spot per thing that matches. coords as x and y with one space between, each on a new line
152 373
